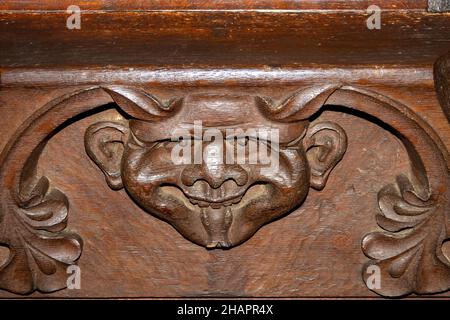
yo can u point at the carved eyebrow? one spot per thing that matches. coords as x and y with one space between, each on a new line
136 142
180 138
294 143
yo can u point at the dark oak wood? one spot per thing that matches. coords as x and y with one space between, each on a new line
127 5
87 176
238 38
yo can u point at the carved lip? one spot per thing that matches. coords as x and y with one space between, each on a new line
203 201
216 198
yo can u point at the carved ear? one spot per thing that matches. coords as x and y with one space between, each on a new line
105 142
325 144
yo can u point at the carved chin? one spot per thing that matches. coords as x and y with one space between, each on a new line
216 218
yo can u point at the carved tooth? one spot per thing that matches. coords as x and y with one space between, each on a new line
203 204
212 244
208 191
204 217
222 192
236 200
216 205
227 203
204 187
228 216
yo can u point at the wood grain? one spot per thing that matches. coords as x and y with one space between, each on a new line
222 38
109 5
216 283
373 101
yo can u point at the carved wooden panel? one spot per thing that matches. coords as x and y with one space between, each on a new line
356 178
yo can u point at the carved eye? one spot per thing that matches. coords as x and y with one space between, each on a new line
136 143
182 141
164 143
243 141
268 143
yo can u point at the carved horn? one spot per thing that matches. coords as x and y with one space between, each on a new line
140 104
299 106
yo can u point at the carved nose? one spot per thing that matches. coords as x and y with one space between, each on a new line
215 175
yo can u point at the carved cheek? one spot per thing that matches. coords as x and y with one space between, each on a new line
145 170
281 191
291 176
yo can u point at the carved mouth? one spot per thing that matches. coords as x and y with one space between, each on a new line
215 203
202 195
197 202
216 208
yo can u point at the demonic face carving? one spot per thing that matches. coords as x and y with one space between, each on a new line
212 202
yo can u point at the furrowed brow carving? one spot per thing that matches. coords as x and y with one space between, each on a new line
220 205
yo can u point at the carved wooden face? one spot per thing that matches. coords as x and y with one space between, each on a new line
213 201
